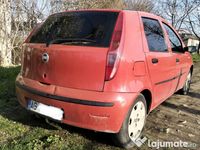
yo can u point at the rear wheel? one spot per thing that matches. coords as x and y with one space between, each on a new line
186 86
133 124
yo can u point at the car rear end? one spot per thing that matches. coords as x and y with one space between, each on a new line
65 65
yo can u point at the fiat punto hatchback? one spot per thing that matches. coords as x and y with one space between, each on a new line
103 70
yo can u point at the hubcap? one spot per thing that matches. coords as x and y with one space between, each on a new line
136 120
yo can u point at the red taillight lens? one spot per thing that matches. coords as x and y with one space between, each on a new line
114 50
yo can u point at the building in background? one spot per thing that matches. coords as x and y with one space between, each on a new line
190 40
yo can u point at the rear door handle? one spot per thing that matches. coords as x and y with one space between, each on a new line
177 60
154 60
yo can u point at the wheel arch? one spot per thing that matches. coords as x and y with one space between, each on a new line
148 97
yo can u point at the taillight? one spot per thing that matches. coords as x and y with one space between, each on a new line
114 50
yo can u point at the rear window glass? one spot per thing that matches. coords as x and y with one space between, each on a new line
77 28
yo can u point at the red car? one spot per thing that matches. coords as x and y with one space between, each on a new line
103 70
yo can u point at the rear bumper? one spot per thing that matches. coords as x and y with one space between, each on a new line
99 111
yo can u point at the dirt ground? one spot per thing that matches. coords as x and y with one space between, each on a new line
178 118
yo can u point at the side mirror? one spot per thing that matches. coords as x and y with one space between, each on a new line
185 49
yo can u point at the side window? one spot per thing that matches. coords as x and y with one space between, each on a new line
174 40
154 35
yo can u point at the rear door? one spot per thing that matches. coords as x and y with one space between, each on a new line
70 50
179 56
159 59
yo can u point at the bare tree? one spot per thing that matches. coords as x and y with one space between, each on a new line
194 25
61 5
176 11
5 31
17 19
25 14
140 5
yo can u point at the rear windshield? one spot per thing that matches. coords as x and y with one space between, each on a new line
77 28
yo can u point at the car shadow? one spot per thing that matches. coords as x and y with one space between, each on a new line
93 136
181 108
194 95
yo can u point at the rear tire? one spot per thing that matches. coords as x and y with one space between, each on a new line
133 124
186 87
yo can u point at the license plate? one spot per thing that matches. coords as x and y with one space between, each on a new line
32 105
49 111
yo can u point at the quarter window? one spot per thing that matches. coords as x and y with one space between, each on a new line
154 35
174 40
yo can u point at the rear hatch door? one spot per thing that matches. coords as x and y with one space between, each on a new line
70 50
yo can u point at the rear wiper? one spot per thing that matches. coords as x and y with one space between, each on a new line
59 41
